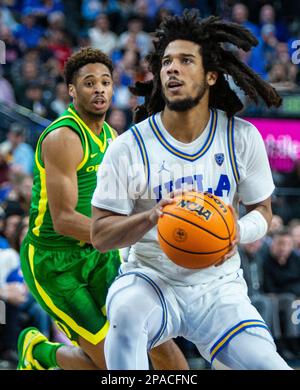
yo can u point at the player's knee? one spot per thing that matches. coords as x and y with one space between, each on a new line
123 320
268 360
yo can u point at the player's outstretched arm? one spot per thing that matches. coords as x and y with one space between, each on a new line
112 231
62 153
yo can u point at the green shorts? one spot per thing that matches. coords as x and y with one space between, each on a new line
71 285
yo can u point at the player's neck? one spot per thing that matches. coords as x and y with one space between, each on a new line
95 123
186 126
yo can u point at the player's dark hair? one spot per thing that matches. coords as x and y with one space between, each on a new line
83 57
210 33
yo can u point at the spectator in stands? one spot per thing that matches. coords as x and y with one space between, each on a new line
282 77
28 32
91 9
62 99
161 14
174 6
291 201
7 94
128 66
121 92
282 266
13 294
294 230
135 32
282 279
101 37
252 265
34 100
142 10
21 154
23 192
204 6
240 15
25 72
7 18
267 16
127 8
60 44
4 169
20 305
12 49
117 119
10 226
3 241
56 22
254 58
42 8
276 225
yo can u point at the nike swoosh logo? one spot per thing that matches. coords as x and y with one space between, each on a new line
94 155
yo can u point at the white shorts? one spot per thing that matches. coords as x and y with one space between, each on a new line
207 315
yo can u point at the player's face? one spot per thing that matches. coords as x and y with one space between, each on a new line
184 82
93 89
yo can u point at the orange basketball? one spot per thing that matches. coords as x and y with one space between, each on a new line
196 231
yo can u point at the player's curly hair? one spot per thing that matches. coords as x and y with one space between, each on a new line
210 34
86 55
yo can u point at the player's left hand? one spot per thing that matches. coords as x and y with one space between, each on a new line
234 244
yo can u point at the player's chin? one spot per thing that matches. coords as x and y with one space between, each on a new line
98 112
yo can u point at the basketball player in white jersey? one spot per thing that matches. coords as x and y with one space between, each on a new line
189 139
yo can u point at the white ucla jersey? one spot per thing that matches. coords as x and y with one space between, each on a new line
146 163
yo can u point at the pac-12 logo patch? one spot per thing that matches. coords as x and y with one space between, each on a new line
219 157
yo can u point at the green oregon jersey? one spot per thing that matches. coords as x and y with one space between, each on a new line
41 231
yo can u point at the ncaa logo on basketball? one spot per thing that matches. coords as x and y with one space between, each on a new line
219 157
180 235
195 208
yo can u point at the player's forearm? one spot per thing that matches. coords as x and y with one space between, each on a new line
115 232
73 224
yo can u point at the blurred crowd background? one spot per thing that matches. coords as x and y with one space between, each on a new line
39 35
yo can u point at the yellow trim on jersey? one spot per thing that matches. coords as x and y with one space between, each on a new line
143 151
42 207
231 150
86 149
90 337
175 151
101 145
112 133
233 332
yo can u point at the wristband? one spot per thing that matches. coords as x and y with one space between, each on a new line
253 226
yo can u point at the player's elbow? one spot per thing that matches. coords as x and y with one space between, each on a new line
99 244
99 240
60 225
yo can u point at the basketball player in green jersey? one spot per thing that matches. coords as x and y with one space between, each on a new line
66 275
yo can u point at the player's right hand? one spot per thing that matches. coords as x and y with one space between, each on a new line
157 212
16 293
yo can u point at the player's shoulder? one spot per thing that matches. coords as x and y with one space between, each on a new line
122 141
126 143
240 124
244 126
143 128
244 130
137 132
